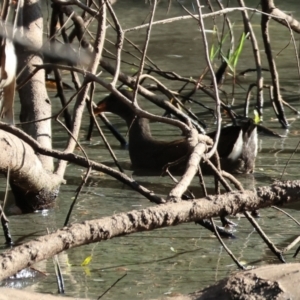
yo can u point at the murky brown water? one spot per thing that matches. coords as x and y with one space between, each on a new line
180 259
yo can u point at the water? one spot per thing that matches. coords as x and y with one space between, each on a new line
179 259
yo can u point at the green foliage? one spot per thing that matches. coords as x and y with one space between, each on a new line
215 50
232 60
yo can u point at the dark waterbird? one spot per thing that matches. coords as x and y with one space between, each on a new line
237 146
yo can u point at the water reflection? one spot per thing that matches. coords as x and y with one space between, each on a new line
174 260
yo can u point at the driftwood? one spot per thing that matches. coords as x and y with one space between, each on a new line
147 219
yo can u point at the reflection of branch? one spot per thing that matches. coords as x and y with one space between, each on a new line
272 247
151 218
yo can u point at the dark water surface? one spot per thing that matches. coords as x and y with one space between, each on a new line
184 258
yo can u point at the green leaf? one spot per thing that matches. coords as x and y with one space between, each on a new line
211 54
228 62
237 53
87 261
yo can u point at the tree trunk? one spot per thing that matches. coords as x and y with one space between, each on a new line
35 103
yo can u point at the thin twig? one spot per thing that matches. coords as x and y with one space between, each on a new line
144 52
240 266
79 189
215 85
112 286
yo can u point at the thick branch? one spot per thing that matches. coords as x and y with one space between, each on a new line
35 103
281 17
26 170
147 219
82 95
27 174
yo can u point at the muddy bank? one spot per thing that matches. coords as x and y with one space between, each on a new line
268 282
272 282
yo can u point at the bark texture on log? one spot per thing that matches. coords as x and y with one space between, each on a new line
164 215
35 103
27 174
